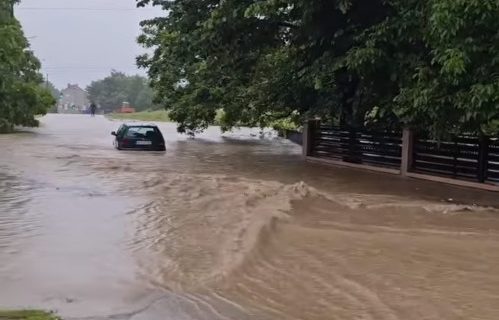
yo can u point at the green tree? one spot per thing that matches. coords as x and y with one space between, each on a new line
455 84
56 93
144 99
21 96
258 60
430 64
117 88
50 87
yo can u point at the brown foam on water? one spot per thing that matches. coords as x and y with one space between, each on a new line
331 261
294 252
204 226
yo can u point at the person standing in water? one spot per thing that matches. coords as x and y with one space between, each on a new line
93 109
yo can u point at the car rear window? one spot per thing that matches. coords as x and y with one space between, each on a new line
142 132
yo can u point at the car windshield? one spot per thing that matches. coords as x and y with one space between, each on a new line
142 132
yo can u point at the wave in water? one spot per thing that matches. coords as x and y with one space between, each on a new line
198 228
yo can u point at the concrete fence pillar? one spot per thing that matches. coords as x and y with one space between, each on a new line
309 130
407 151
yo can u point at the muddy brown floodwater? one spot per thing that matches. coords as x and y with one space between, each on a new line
232 226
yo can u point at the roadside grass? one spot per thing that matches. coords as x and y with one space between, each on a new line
281 126
27 315
155 116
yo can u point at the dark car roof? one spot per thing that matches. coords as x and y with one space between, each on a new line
140 125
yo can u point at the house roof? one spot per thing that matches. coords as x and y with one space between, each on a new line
73 87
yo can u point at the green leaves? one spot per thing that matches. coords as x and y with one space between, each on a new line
21 96
431 64
459 83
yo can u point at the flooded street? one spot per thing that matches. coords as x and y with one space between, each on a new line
232 226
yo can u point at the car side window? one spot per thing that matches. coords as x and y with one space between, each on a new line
121 131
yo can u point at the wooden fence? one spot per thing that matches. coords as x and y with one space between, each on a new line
470 159
458 159
382 149
493 161
466 158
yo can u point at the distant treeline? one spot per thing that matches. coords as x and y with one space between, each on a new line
112 91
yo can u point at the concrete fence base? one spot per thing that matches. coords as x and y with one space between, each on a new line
340 163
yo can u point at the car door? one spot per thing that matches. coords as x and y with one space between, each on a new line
119 135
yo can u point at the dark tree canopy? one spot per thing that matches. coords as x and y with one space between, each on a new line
431 64
21 96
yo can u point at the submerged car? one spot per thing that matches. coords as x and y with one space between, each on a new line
139 137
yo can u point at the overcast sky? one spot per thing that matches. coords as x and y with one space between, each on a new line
82 40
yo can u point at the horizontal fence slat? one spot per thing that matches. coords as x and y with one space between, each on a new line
446 148
363 131
493 174
460 139
359 149
448 161
381 159
358 152
357 139
464 156
362 141
493 166
320 154
446 151
445 174
347 134
449 170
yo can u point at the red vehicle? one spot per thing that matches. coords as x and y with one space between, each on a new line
125 108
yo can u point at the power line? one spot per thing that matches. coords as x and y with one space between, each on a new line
88 67
83 9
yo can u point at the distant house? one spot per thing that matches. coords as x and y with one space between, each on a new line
125 108
73 100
